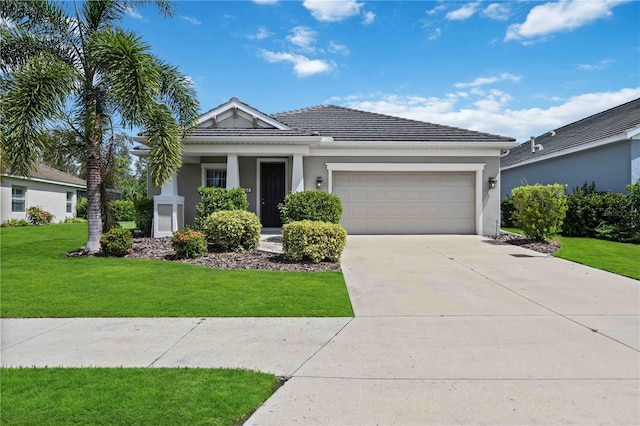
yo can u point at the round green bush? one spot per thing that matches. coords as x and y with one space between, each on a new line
123 210
233 230
311 205
189 243
313 240
116 242
144 215
81 208
38 216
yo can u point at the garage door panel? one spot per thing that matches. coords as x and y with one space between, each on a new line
406 203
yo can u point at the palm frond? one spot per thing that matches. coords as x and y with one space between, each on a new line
166 150
35 94
178 93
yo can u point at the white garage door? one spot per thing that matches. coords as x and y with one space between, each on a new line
406 203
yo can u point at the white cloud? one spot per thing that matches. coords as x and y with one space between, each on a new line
261 34
491 113
338 48
191 20
302 37
565 15
600 65
435 34
332 11
302 66
436 9
132 13
267 2
368 18
465 12
481 81
497 11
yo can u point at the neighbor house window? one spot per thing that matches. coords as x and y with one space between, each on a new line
69 202
214 175
18 199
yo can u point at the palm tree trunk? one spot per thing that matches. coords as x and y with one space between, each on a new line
94 216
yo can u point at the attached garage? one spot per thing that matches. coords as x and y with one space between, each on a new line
399 200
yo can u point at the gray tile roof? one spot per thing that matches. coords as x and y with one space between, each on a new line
229 132
612 122
49 173
346 124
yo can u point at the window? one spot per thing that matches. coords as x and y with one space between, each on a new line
18 199
214 175
69 202
216 178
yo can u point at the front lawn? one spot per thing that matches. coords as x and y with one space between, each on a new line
131 396
38 281
619 258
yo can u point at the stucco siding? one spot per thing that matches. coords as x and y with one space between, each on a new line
608 166
50 197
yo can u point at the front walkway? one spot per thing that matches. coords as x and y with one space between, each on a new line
448 330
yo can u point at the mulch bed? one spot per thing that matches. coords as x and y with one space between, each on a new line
160 249
546 247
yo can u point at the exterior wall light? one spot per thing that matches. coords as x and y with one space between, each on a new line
492 182
319 182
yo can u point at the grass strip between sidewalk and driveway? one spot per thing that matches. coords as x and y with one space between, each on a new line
612 256
38 281
131 396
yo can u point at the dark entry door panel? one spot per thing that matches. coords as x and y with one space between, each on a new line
272 192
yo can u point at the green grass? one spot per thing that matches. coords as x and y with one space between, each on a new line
619 258
127 225
38 281
131 396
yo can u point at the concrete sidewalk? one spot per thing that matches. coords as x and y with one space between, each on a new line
448 330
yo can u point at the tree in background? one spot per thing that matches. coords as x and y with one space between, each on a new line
70 63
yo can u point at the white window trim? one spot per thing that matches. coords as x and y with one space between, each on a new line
69 203
208 166
24 198
417 167
287 178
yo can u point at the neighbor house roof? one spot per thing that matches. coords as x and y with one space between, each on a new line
346 124
610 126
51 175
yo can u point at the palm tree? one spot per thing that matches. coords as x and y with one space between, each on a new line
70 63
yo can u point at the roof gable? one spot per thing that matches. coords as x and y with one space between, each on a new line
51 175
238 115
610 126
346 124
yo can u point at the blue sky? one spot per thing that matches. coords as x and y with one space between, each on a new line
514 68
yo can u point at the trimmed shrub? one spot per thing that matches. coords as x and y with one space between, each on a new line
144 215
14 223
38 216
622 216
123 210
311 205
116 242
506 212
233 230
81 208
75 220
189 243
313 240
539 210
218 199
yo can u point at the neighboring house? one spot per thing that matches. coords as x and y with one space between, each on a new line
603 148
52 190
394 175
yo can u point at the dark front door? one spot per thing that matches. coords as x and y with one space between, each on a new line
272 191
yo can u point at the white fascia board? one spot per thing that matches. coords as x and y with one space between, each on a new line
415 144
633 133
416 152
49 181
224 149
405 167
242 107
568 151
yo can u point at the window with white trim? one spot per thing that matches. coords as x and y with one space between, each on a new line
18 199
69 202
214 175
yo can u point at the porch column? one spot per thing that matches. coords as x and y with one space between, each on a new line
168 210
297 175
233 171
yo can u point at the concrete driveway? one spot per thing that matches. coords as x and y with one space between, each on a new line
464 330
